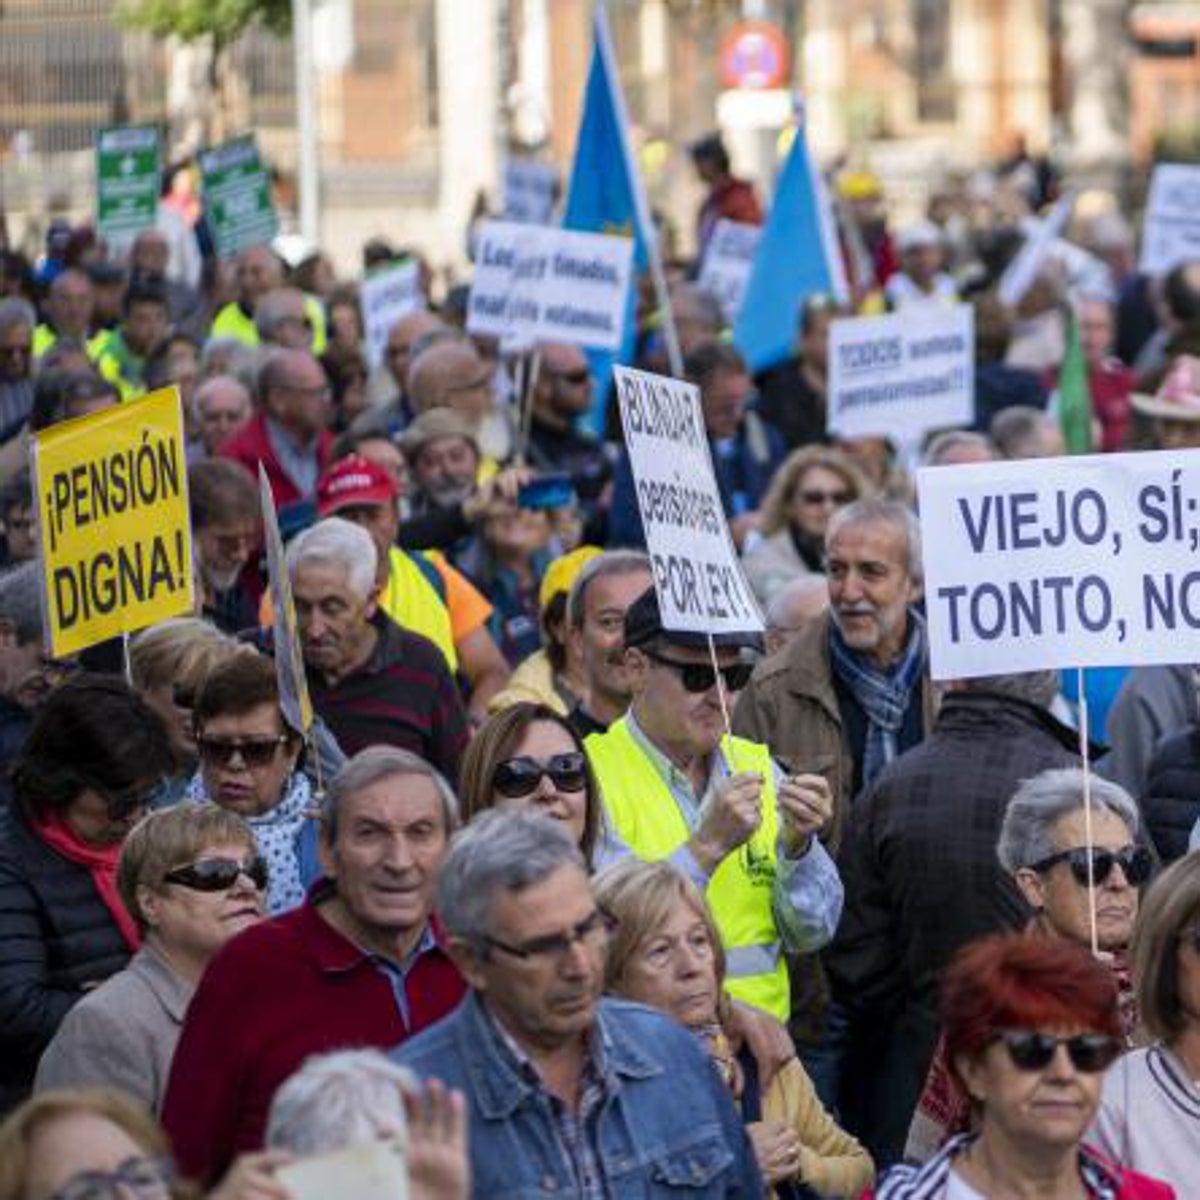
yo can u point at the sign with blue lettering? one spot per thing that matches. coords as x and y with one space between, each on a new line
1089 561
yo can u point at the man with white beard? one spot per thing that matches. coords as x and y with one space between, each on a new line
226 531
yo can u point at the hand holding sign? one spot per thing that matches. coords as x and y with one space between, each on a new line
805 808
730 818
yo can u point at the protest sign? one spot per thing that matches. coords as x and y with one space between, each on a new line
530 191
1019 275
386 296
697 572
289 663
1171 233
902 374
539 284
128 181
237 196
728 261
1087 561
112 506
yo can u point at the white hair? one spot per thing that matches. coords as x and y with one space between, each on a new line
339 1100
339 543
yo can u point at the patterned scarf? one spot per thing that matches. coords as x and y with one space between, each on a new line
883 695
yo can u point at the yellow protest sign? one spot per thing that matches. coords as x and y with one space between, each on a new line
112 506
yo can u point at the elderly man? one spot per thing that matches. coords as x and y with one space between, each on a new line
957 447
259 270
150 256
721 812
227 528
388 386
360 963
568 1092
596 607
281 318
792 607
221 406
561 395
451 374
371 681
68 310
1021 431
288 433
17 320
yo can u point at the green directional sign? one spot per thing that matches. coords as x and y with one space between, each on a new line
128 181
237 196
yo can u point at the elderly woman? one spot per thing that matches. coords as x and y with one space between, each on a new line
92 765
810 486
192 877
1043 845
1149 1115
666 952
530 756
1031 1025
249 765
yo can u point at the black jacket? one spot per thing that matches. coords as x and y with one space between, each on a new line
56 935
1171 805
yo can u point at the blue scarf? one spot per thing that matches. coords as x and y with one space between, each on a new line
883 695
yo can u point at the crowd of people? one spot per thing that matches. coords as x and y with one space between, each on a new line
564 901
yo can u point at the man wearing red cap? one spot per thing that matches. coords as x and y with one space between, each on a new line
420 591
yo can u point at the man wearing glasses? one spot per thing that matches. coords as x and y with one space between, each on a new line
567 1092
718 808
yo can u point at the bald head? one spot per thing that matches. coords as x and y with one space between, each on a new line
404 334
258 272
293 389
282 320
221 406
150 253
450 374
69 305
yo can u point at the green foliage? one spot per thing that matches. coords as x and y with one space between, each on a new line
223 20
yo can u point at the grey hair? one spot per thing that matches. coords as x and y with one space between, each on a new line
498 850
15 311
21 601
1046 798
872 510
340 543
779 608
339 1100
273 308
1014 427
368 767
1034 687
946 443
611 562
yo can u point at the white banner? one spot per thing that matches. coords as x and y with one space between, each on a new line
541 284
697 573
386 296
1091 561
902 374
728 260
1171 233
530 191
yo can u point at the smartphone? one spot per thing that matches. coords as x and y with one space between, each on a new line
546 491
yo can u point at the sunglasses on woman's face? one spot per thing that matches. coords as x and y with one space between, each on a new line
255 752
1136 862
517 777
145 1178
219 874
1033 1051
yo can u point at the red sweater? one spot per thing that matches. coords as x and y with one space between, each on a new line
287 988
251 446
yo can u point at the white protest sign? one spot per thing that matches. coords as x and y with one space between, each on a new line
1089 561
530 191
1171 233
697 573
902 374
385 297
728 260
1023 270
540 284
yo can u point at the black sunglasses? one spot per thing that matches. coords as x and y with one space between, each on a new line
1136 861
1033 1051
814 496
219 874
699 677
517 777
255 752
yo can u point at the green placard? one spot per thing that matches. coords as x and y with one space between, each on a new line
128 180
237 196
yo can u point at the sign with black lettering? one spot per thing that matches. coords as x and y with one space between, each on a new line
1088 561
902 374
112 507
1171 232
697 572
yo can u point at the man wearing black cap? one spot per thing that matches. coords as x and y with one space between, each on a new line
717 808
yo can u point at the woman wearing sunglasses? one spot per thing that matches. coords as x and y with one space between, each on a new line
92 765
192 877
1043 846
1031 1025
529 755
1150 1111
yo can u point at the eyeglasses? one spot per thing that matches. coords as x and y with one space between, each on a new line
557 946
255 752
1136 862
219 874
575 377
517 777
1033 1051
815 497
699 677
146 1178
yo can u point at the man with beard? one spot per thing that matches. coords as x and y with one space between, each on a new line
227 527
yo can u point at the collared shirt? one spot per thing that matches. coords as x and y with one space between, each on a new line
302 464
808 891
397 973
578 1131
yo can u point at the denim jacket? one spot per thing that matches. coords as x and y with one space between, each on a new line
668 1126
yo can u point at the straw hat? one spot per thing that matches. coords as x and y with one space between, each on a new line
1178 396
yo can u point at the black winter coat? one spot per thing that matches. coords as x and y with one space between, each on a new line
56 936
1171 805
